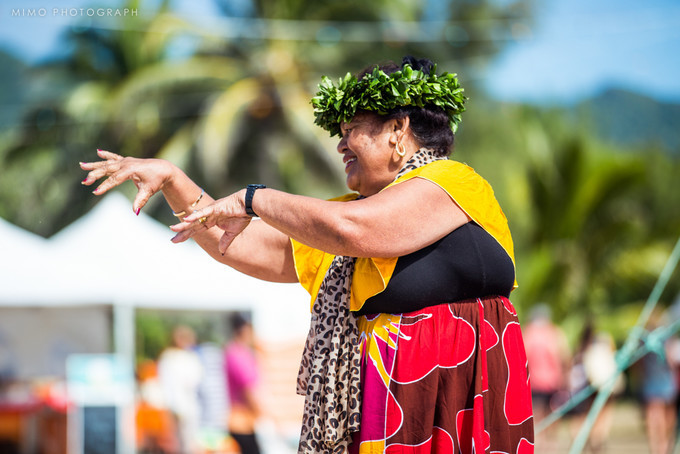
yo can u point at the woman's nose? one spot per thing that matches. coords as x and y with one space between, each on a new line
342 145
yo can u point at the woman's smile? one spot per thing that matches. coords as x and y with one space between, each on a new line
348 162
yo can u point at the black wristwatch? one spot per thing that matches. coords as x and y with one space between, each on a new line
250 191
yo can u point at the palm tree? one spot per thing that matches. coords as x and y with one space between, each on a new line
234 110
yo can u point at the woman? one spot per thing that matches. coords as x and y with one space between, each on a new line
413 345
242 373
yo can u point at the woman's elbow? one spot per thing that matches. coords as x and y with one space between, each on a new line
360 240
344 237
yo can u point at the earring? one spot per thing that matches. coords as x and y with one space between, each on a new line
401 149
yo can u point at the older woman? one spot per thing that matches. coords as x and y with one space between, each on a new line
414 345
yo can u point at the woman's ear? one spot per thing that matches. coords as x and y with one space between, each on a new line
399 129
401 125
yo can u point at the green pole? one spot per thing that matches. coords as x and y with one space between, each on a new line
627 351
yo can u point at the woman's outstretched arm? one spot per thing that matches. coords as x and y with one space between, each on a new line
398 220
260 250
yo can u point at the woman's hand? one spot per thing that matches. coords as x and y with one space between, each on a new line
149 175
229 214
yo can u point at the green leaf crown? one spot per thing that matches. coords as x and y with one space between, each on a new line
380 93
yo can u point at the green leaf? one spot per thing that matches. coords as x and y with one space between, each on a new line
379 92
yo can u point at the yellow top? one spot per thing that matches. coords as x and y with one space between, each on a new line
469 190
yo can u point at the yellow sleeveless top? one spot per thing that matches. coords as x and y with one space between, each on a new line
468 189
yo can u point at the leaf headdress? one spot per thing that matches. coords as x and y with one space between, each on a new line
380 93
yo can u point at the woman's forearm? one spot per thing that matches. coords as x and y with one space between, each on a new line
399 220
317 223
181 193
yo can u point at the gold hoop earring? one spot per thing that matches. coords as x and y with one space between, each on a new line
401 149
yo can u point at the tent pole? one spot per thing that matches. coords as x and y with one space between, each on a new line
124 346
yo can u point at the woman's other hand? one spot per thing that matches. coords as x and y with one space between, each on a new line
149 175
228 214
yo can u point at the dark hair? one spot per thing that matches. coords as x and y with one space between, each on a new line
238 320
429 124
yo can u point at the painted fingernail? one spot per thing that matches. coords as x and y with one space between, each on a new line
137 212
99 149
95 191
83 182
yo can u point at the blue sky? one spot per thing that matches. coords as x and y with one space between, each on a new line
577 47
573 49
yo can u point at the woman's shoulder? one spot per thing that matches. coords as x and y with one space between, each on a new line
444 171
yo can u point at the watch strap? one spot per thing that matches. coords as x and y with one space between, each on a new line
250 192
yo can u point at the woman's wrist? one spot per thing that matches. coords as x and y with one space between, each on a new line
175 183
182 194
169 174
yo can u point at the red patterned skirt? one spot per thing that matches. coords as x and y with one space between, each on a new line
450 378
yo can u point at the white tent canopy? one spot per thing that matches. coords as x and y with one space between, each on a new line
22 257
111 256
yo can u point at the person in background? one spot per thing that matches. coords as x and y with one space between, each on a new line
659 391
180 373
156 427
548 358
212 396
242 372
414 342
593 364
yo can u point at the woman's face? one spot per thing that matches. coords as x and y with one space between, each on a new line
367 146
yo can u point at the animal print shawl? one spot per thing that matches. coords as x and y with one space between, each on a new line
329 376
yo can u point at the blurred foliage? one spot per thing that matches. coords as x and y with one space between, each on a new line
593 224
229 109
593 221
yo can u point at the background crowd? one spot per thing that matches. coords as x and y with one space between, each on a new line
201 397
561 365
561 377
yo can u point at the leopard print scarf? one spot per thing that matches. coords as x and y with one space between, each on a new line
331 362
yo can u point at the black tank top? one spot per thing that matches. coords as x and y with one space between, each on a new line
467 263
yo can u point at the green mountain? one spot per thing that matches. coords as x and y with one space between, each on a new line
630 120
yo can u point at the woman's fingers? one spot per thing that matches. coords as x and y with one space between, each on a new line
93 165
115 176
143 196
207 217
231 232
225 241
96 170
100 172
109 155
232 229
197 221
100 169
205 212
148 175
186 230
